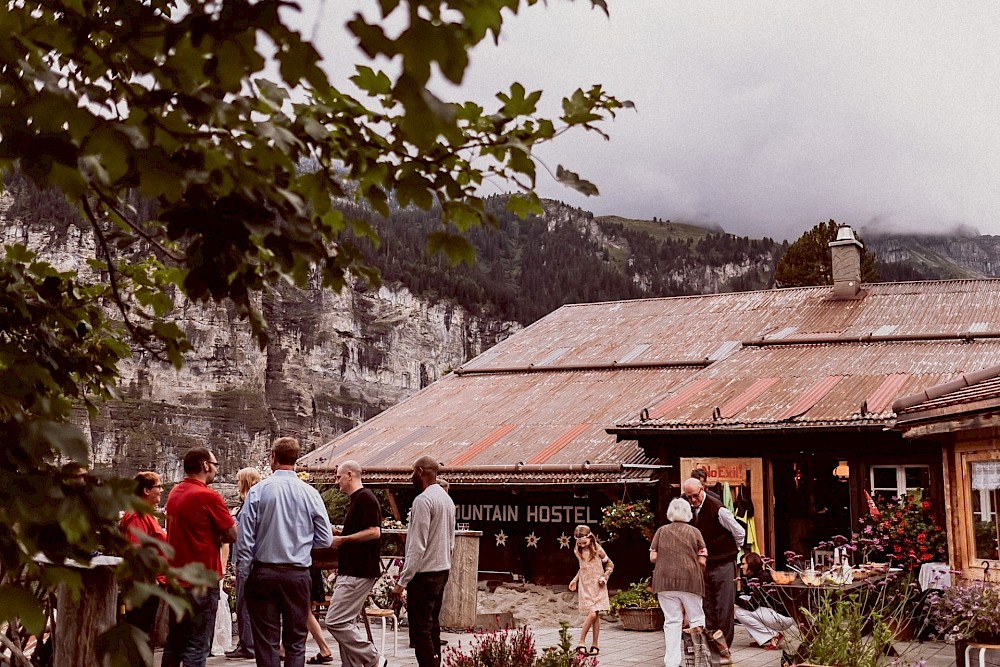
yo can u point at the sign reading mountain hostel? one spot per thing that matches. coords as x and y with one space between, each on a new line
529 513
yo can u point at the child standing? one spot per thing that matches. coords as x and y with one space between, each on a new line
592 583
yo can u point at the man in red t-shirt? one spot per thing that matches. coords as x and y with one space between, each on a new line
198 523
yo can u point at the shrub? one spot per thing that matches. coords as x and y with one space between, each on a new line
966 612
636 596
515 648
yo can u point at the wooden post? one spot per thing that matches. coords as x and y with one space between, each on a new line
79 622
458 609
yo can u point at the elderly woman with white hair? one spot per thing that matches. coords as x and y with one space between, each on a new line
678 553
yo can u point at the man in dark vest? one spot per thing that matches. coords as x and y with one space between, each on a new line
723 537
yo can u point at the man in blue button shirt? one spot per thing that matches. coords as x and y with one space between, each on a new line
282 520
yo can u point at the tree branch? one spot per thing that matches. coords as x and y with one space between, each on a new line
139 336
111 205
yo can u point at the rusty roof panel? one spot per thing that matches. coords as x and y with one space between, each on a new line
695 327
987 390
887 390
556 417
810 397
752 393
868 372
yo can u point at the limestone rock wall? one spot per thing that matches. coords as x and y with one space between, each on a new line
333 360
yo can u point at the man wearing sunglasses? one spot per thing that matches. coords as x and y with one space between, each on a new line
198 524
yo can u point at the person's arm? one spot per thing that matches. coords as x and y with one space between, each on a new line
417 536
609 567
366 535
371 518
702 561
732 525
572 583
247 534
229 535
322 530
652 545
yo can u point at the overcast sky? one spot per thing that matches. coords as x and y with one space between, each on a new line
762 117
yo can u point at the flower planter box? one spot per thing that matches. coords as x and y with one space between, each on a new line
641 619
977 654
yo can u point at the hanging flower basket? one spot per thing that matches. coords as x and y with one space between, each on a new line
622 516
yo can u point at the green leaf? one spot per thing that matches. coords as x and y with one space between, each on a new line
19 604
370 81
574 181
524 205
456 248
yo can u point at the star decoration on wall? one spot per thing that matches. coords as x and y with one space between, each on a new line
532 540
564 541
501 539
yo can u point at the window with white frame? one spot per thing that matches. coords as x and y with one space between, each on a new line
897 481
984 480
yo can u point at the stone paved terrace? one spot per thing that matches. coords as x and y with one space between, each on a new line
623 647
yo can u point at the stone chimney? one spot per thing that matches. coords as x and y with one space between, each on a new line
846 256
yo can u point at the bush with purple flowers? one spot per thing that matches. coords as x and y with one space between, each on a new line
970 612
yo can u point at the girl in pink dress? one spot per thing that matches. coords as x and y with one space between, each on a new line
592 583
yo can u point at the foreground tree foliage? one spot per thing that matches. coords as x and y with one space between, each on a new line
116 102
807 261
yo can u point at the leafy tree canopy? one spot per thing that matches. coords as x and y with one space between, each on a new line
116 101
807 261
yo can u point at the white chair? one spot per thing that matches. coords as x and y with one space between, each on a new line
386 615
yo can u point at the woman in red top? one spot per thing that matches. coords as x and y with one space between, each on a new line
148 487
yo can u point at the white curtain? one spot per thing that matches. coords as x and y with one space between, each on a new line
985 475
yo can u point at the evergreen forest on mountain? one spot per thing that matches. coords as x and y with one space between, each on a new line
527 268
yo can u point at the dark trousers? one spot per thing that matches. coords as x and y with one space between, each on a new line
190 638
144 616
278 602
242 615
720 593
424 594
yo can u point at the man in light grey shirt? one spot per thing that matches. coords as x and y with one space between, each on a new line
430 539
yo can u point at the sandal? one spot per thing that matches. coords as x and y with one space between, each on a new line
582 650
593 650
320 659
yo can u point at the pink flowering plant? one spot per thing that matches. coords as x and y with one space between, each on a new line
905 532
970 612
514 648
622 516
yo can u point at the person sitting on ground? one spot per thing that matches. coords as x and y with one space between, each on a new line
754 608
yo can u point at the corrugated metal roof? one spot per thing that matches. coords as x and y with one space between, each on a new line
804 338
988 390
819 384
557 418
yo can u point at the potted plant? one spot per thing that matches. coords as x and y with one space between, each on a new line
969 615
637 607
622 516
903 531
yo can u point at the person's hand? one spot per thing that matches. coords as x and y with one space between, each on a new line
398 592
337 541
572 586
603 581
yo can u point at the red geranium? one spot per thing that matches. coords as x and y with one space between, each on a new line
906 533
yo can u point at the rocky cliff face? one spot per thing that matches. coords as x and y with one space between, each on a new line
333 360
